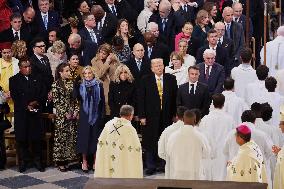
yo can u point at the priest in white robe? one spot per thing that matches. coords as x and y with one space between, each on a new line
234 105
274 53
258 136
162 143
216 125
186 149
256 90
244 73
119 153
278 182
248 165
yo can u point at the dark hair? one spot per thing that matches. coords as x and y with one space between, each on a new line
86 15
211 31
54 29
193 67
262 72
248 116
180 111
218 100
245 137
197 115
15 15
246 54
130 32
23 60
71 53
36 40
189 114
270 84
256 108
208 6
229 83
267 111
59 69
117 41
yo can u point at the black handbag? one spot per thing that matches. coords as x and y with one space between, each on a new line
5 124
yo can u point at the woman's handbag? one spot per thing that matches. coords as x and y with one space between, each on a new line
5 124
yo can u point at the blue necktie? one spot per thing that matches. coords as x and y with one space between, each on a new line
164 24
228 31
113 10
149 52
45 21
139 64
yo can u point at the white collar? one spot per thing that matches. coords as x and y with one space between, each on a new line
195 83
215 47
90 30
136 60
157 77
15 31
38 57
43 14
221 38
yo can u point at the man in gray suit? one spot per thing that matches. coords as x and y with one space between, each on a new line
234 31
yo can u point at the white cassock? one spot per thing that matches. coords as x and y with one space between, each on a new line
215 126
243 75
274 55
260 138
119 153
255 92
280 81
185 150
275 100
248 165
162 143
234 106
278 182
181 74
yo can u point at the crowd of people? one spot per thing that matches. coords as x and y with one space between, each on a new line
182 69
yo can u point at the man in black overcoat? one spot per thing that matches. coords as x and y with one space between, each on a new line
156 109
28 92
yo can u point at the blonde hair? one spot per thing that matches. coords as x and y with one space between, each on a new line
201 15
58 47
18 48
177 55
119 70
88 68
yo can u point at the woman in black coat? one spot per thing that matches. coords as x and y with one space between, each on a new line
121 90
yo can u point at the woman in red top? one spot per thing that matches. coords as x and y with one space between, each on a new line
5 13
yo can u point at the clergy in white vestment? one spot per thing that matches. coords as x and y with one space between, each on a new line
216 126
258 136
162 143
186 149
274 99
278 182
280 81
248 165
234 105
274 53
244 73
119 153
255 91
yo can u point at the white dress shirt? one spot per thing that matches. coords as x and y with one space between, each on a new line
194 85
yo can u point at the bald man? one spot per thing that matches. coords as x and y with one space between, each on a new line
156 110
274 53
28 18
139 65
85 49
234 31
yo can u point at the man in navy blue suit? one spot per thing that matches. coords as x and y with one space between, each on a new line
46 19
211 73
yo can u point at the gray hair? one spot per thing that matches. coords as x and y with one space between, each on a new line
126 110
58 47
150 25
209 51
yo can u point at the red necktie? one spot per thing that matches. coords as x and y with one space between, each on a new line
207 73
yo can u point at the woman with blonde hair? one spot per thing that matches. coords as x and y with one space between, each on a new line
19 49
104 65
90 93
188 59
177 68
121 90
200 29
56 55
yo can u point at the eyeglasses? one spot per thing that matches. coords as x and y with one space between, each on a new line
40 46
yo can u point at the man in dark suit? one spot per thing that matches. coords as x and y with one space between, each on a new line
154 49
16 31
89 32
224 41
139 65
41 66
28 92
156 110
106 22
194 94
28 20
222 56
169 22
46 19
240 18
85 49
234 31
189 9
211 73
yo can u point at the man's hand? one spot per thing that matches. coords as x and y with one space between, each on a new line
143 121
